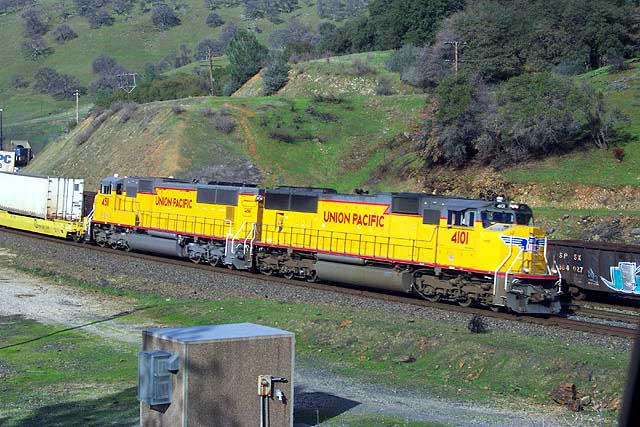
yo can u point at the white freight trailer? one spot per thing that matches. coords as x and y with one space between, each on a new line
43 197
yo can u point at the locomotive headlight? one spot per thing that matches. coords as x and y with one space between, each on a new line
525 269
554 270
259 198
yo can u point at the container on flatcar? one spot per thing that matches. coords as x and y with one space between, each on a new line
597 267
45 197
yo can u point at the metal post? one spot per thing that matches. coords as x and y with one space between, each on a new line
1 132
77 94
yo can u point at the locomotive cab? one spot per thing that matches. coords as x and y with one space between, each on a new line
480 240
523 280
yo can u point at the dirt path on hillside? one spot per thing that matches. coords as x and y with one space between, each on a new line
316 388
251 141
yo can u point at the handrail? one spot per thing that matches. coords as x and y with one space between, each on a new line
233 240
546 262
495 276
253 235
506 274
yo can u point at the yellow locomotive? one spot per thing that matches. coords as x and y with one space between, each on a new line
463 250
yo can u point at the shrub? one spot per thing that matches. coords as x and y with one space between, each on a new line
106 65
225 124
33 24
178 109
328 99
19 82
275 75
100 117
64 33
36 48
60 86
477 325
282 136
384 86
402 58
214 20
618 64
361 68
122 7
208 46
164 17
88 7
618 154
83 136
127 111
322 116
99 19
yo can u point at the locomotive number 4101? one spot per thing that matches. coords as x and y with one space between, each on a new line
461 237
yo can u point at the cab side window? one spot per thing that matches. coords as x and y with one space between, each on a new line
469 219
461 218
454 218
105 189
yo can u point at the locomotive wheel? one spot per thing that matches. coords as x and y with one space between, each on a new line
102 243
433 297
495 308
195 259
312 277
288 275
468 302
214 261
266 270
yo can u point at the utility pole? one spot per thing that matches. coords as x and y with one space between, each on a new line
456 53
77 94
211 80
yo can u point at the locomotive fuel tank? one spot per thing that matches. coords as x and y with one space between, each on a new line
367 276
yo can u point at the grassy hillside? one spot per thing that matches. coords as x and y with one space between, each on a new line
306 141
348 75
592 166
132 40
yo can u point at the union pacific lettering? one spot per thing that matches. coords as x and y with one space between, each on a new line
353 218
173 202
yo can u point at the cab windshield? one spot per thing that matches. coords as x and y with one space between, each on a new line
491 218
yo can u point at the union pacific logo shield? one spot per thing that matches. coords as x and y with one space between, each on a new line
530 244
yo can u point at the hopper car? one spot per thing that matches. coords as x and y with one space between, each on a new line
598 270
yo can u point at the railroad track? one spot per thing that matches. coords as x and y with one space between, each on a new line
606 312
560 322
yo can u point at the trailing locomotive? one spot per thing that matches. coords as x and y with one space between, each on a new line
463 250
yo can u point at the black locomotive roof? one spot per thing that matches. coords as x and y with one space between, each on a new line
152 183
